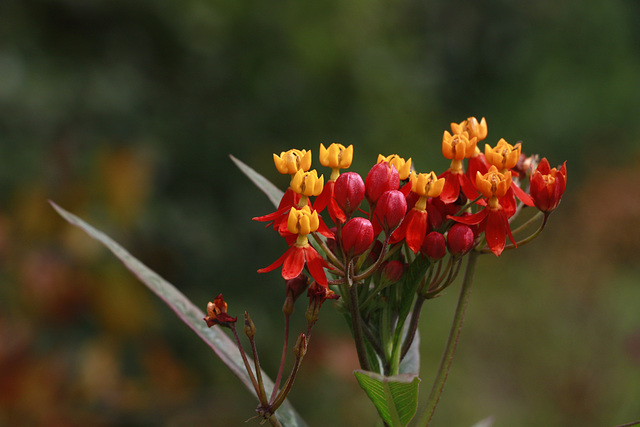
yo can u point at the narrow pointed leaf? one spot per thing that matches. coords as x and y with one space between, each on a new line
395 398
190 314
273 193
411 362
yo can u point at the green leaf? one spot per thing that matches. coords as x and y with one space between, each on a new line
395 398
190 314
273 193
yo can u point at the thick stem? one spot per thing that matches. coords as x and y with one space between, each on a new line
274 421
452 342
356 322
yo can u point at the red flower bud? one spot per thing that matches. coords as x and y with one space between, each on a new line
357 236
348 192
381 178
434 246
548 185
460 239
392 270
390 210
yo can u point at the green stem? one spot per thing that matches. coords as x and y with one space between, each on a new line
356 322
452 342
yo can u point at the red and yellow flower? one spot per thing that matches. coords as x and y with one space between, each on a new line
414 227
548 185
492 219
301 222
336 157
457 147
402 166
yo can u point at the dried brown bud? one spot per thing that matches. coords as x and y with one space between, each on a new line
249 327
300 349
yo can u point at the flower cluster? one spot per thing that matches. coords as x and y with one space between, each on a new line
396 237
482 190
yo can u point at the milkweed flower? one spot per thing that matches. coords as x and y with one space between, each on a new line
457 147
336 157
288 162
505 157
402 166
548 185
414 227
301 222
291 161
492 219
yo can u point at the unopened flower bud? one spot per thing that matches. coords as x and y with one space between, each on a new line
390 209
357 236
460 239
295 288
300 349
249 327
434 246
381 178
348 192
317 294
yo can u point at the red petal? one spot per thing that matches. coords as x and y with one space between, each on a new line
406 189
543 167
315 265
322 200
473 219
496 231
416 229
276 264
520 194
294 263
451 188
467 187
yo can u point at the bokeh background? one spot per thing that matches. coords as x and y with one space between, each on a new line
125 114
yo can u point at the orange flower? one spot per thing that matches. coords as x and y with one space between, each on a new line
504 155
458 146
402 166
290 162
492 219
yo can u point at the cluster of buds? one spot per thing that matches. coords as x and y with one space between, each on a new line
400 228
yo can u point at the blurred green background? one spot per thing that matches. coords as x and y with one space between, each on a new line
125 113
